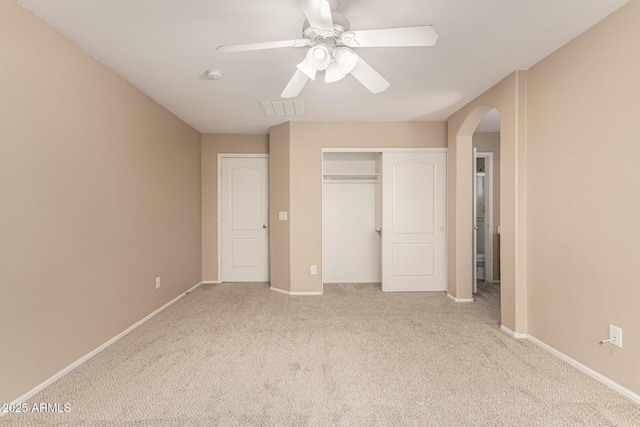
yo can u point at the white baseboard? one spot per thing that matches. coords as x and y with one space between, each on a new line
282 291
210 282
352 282
587 370
511 333
89 355
451 297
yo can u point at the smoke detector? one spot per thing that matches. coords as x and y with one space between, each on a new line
214 74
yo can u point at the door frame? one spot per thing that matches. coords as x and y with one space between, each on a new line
219 202
474 222
488 231
404 150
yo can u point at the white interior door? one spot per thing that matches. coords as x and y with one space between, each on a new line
488 215
244 219
413 221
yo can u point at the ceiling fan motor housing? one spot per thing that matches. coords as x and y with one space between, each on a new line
340 25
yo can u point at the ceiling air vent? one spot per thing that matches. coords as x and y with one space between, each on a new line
283 108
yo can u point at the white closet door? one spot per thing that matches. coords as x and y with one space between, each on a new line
413 221
350 244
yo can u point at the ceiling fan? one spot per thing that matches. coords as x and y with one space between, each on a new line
331 41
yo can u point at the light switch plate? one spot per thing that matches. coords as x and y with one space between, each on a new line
282 216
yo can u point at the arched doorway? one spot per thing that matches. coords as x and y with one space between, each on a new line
508 97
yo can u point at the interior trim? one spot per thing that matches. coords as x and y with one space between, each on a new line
511 333
282 291
451 297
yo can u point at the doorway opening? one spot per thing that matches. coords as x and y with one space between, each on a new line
486 203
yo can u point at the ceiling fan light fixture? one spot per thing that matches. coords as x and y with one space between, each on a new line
319 57
345 59
330 39
332 73
319 54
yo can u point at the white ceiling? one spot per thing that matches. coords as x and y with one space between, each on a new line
164 48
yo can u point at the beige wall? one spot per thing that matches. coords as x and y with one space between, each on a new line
583 139
211 146
306 141
489 142
569 141
279 192
100 194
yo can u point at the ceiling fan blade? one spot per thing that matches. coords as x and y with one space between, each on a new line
318 13
369 77
264 45
295 85
424 35
307 69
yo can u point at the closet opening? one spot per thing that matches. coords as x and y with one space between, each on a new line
351 218
384 218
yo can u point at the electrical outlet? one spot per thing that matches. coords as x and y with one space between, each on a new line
157 283
615 335
314 270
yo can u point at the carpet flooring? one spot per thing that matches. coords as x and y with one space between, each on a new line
240 354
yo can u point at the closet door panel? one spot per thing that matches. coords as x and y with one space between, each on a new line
413 221
350 244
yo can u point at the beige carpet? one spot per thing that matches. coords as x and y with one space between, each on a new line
239 354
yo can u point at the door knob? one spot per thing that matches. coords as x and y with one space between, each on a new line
264 225
476 228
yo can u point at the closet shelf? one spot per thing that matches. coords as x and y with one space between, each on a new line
351 176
